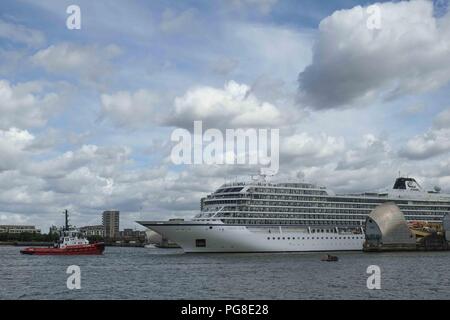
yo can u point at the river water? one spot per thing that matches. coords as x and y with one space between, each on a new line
141 273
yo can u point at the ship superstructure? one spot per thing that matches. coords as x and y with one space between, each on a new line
263 216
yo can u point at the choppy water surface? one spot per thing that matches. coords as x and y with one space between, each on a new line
138 273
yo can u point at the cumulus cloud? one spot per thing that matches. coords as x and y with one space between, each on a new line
26 104
230 107
131 109
369 153
350 65
233 106
21 34
353 64
434 142
427 145
92 178
312 147
351 180
81 180
13 143
103 159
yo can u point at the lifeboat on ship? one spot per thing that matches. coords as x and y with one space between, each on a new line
71 242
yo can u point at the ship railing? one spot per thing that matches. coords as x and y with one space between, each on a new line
215 214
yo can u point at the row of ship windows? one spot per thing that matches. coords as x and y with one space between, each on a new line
327 205
289 216
313 238
325 200
286 191
232 195
323 195
293 222
311 215
315 197
225 190
276 194
273 191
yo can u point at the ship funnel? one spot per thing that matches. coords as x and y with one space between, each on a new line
407 184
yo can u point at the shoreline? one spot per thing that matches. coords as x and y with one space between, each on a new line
25 243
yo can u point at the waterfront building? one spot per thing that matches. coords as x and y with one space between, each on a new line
130 233
16 229
110 221
89 231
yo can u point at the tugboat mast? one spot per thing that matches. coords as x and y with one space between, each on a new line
66 213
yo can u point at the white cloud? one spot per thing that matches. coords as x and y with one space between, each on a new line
105 160
263 58
367 154
81 180
26 104
13 143
230 107
135 109
312 147
13 219
21 34
92 178
432 143
359 180
353 65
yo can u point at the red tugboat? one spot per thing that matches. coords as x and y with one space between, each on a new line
70 243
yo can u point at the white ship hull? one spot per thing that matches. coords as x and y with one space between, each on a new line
261 216
204 237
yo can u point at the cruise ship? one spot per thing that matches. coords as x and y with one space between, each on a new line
261 216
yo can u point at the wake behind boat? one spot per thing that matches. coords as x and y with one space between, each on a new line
70 243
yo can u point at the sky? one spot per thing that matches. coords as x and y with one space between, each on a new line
87 114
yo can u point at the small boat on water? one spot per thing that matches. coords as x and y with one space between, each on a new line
329 257
71 242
